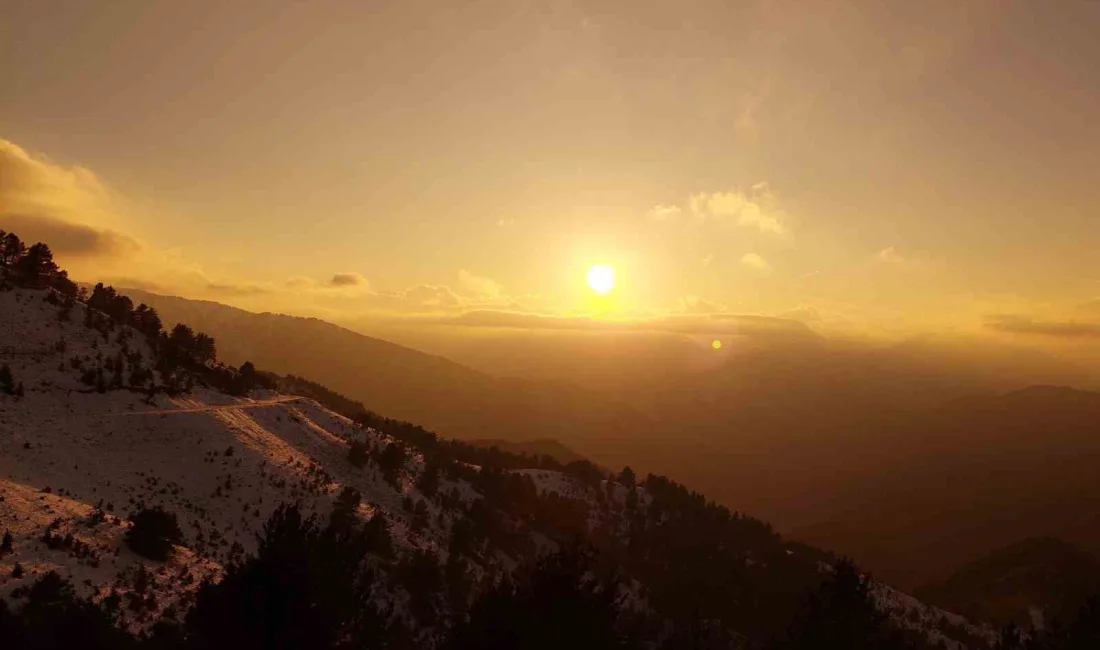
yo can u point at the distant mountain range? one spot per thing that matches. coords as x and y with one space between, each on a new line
98 449
1033 581
1007 467
913 459
403 383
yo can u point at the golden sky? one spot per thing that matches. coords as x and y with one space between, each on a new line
889 167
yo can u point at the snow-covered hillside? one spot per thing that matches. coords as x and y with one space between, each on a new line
74 463
81 451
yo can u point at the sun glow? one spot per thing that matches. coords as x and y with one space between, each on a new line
601 279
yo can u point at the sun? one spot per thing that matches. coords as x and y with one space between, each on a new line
601 278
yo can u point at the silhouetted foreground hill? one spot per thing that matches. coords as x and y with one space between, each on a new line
1042 577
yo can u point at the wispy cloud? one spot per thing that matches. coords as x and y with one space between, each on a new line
479 286
754 261
692 304
708 324
432 295
890 255
1054 329
664 212
1091 306
758 208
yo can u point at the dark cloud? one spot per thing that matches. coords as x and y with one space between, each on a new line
1055 329
237 290
348 280
70 239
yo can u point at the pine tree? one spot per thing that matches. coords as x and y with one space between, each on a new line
560 602
841 613
7 382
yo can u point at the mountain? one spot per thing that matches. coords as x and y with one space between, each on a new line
913 458
1042 578
109 431
971 476
403 383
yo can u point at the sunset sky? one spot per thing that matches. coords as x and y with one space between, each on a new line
877 167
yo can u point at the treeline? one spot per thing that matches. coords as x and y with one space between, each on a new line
181 354
315 585
698 559
427 442
32 265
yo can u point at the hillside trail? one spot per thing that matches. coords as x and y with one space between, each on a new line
207 408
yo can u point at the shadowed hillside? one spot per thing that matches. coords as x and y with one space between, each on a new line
1041 577
403 383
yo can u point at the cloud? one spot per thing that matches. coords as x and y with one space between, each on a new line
72 211
69 239
432 295
36 185
688 324
890 255
707 260
757 208
664 212
66 207
480 286
754 261
803 314
237 290
691 304
1054 329
348 279
1091 306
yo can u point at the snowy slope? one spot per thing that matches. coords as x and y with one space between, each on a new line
222 464
76 462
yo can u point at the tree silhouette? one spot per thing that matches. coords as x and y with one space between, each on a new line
37 262
557 603
307 587
53 617
7 382
11 249
153 533
841 613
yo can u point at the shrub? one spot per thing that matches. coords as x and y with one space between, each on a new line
153 533
357 454
7 383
